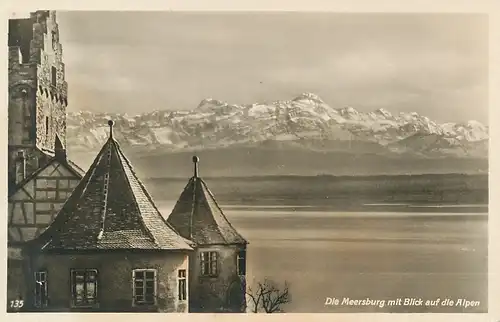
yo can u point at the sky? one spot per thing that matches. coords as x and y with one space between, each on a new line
134 62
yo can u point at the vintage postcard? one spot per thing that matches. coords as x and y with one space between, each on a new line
176 161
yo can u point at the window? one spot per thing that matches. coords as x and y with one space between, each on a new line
54 40
144 286
40 289
182 285
84 287
46 126
54 76
209 263
241 260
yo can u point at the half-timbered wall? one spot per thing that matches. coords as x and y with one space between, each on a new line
33 207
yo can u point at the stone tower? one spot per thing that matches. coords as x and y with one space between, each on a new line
217 267
38 94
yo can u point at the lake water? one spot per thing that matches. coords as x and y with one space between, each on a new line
367 255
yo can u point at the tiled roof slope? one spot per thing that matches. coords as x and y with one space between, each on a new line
198 217
110 209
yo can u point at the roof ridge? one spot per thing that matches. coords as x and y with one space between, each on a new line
106 189
73 164
221 212
193 204
122 155
203 188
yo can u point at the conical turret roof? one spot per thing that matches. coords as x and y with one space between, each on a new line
110 209
198 217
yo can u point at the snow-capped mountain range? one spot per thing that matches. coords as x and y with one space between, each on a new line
305 121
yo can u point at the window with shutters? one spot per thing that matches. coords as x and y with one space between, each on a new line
41 299
84 287
209 264
144 286
182 285
241 260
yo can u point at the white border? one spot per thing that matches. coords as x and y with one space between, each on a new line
490 7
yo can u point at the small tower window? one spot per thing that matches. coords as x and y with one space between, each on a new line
182 285
54 76
209 263
46 126
241 261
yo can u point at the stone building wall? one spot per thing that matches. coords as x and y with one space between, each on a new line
211 294
114 282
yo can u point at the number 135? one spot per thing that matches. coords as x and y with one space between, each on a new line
17 304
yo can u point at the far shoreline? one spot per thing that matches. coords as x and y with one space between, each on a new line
436 209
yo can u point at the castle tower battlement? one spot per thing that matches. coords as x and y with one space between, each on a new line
38 91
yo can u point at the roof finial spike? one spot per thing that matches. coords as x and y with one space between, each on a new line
111 123
195 161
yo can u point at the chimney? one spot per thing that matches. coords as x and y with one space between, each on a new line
59 150
20 166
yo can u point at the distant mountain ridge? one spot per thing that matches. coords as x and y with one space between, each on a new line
305 122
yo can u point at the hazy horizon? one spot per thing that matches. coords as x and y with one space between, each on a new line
132 62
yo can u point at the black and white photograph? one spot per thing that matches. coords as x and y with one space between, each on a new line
247 162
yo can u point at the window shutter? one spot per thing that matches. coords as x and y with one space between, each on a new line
156 285
45 300
202 263
213 263
134 290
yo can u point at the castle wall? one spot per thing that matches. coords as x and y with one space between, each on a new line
51 98
22 89
212 294
114 282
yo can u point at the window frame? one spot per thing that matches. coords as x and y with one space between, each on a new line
182 290
39 300
211 262
240 258
144 303
86 271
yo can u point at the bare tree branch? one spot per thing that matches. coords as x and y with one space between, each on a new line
268 297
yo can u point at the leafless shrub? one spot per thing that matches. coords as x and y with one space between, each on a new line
268 297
